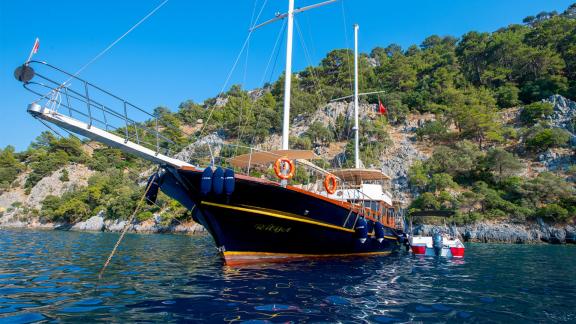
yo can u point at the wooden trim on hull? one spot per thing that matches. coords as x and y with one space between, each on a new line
233 258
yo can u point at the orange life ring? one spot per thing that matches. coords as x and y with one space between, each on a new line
330 184
279 168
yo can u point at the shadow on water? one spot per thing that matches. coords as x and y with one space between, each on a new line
53 276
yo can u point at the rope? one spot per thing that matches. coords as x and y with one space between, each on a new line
347 43
124 230
231 71
119 38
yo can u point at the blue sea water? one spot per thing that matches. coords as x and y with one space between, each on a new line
50 276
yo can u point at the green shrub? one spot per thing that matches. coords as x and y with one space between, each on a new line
441 181
301 143
543 139
10 167
553 212
434 130
507 95
143 216
319 134
536 111
65 176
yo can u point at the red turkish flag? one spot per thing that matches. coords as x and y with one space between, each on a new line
381 108
36 46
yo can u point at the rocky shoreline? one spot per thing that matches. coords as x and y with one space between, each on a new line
531 233
99 224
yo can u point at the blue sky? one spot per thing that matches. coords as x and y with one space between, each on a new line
187 48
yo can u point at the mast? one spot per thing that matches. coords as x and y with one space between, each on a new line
288 77
356 135
288 73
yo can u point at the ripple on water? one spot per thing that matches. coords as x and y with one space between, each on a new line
170 278
23 318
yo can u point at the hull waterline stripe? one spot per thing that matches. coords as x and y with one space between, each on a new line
298 255
277 215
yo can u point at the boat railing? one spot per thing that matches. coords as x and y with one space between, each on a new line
81 100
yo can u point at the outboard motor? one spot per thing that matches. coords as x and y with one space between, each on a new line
437 243
361 229
206 181
379 231
152 185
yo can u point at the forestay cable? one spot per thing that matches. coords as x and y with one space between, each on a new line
120 38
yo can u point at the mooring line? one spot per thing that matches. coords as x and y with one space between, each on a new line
124 231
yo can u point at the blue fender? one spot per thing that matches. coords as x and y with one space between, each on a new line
229 181
218 181
361 229
206 181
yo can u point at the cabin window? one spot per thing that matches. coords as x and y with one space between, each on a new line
372 204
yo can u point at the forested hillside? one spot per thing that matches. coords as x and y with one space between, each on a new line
483 91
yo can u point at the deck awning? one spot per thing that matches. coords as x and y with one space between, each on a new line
359 175
264 157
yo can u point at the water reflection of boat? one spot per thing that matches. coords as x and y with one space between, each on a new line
345 213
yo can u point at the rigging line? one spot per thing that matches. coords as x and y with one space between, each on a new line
274 50
347 43
241 112
280 34
253 13
250 31
48 126
241 108
118 39
309 59
277 49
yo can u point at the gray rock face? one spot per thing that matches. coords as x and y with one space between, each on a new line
396 162
200 148
554 160
504 232
114 225
564 113
51 185
93 224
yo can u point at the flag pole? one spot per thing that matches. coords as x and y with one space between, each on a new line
33 50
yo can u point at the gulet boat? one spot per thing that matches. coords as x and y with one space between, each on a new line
251 219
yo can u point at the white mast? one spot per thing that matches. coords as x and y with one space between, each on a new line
356 135
288 77
288 73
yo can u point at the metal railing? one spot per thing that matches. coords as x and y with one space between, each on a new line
97 107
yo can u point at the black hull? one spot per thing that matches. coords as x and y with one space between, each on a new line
263 221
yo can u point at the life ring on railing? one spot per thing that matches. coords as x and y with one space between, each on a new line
279 168
330 184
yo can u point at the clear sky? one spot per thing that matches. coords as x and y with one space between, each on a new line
187 48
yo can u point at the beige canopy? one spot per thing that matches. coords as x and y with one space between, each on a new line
263 157
359 175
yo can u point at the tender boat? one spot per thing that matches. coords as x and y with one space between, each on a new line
439 244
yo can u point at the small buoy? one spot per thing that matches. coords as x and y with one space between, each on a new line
361 229
379 231
229 181
206 181
218 181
